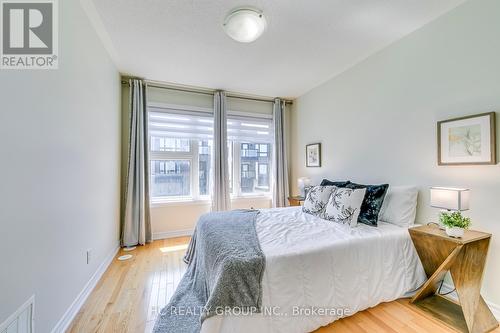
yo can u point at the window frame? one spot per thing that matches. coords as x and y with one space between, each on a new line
190 156
193 157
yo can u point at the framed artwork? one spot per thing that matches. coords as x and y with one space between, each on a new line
313 155
467 140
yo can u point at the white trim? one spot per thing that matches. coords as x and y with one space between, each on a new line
96 22
188 201
253 197
157 202
73 309
172 234
21 309
495 308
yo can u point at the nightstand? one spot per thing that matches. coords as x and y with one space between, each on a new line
296 200
464 258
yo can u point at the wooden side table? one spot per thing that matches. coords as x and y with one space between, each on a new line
296 200
464 258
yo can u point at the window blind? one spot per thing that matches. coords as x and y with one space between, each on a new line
251 129
182 123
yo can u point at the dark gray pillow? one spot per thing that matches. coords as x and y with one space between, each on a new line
372 203
326 182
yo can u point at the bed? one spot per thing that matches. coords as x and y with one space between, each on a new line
318 271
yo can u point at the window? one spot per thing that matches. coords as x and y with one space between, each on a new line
263 149
170 178
230 164
169 144
180 155
263 176
255 171
205 166
252 142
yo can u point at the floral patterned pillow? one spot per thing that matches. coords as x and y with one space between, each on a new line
344 206
317 198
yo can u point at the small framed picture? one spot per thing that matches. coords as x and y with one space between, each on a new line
313 155
467 140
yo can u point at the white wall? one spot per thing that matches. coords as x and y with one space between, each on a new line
168 219
60 169
377 121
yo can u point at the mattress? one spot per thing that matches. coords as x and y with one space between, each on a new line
318 271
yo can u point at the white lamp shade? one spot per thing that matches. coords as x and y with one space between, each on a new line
302 183
245 25
450 198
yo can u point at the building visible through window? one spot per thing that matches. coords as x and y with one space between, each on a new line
205 165
169 144
170 178
255 161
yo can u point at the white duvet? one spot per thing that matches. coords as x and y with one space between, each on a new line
318 271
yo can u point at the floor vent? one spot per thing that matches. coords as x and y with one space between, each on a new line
20 321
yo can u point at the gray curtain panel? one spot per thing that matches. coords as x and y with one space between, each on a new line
220 196
280 179
136 223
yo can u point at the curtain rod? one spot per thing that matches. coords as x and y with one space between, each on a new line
210 92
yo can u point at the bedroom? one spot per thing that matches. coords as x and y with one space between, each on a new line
368 81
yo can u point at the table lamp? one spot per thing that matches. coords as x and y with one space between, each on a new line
450 199
302 184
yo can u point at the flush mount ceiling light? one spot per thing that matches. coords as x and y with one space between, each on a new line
245 25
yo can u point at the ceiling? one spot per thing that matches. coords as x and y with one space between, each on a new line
306 43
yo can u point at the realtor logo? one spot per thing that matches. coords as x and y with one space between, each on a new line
29 38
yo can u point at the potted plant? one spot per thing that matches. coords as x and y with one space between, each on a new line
454 223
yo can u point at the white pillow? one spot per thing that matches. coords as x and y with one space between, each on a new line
344 205
317 198
400 205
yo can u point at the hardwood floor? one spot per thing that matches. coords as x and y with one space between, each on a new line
131 293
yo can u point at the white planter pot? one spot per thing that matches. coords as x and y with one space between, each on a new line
455 232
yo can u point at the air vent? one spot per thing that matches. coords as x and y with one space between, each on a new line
20 321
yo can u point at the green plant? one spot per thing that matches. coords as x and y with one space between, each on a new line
454 219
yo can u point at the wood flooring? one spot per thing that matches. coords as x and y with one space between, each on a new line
131 293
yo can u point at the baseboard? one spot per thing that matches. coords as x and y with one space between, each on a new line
172 234
70 314
495 308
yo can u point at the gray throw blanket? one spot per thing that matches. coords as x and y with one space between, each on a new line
226 266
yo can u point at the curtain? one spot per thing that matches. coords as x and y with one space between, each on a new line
136 222
280 179
220 197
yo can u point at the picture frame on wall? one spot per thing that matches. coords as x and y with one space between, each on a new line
313 155
469 140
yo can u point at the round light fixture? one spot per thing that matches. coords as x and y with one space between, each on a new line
245 25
